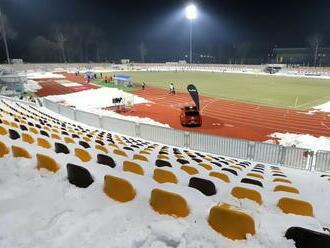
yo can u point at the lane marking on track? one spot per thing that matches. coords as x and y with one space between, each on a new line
208 105
323 124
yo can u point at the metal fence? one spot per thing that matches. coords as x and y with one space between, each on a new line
322 161
293 157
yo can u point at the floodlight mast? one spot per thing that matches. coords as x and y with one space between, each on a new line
191 14
4 37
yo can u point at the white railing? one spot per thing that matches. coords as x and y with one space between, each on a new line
293 157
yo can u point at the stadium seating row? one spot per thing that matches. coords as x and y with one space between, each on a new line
199 171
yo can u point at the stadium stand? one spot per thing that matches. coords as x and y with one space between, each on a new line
38 135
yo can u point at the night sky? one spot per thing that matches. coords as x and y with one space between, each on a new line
161 25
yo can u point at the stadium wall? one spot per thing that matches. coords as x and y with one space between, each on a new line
293 157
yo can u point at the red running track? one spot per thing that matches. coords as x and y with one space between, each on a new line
220 117
51 87
231 118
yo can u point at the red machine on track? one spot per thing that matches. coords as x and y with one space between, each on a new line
190 116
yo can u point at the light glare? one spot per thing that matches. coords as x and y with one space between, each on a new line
191 12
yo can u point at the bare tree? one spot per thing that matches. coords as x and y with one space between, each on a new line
315 42
42 49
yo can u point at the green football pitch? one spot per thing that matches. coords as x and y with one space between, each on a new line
279 91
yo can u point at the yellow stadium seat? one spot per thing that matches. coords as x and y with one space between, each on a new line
55 136
3 149
144 152
282 180
47 162
242 193
208 159
164 176
162 156
69 140
118 189
170 203
46 128
33 130
55 130
86 139
140 157
231 223
101 148
206 166
20 152
3 131
133 167
251 174
113 145
14 124
294 206
119 152
43 143
220 176
83 155
6 122
189 169
27 138
286 189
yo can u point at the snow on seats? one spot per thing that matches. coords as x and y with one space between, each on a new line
231 223
165 202
20 152
118 189
220 176
189 169
133 167
3 149
285 188
82 154
164 176
43 143
295 206
46 162
245 193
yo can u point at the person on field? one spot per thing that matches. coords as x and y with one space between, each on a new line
143 85
172 89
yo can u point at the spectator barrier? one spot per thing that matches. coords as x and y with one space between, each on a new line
293 157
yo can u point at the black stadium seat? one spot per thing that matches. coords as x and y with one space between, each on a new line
182 161
79 176
163 163
305 238
230 170
13 134
61 148
84 144
205 186
252 181
106 160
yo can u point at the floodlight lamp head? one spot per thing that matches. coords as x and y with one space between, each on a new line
191 12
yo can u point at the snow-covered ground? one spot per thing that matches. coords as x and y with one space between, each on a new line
323 107
89 100
41 75
302 140
42 209
31 86
96 100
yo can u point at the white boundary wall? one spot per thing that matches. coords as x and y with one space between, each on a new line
293 157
